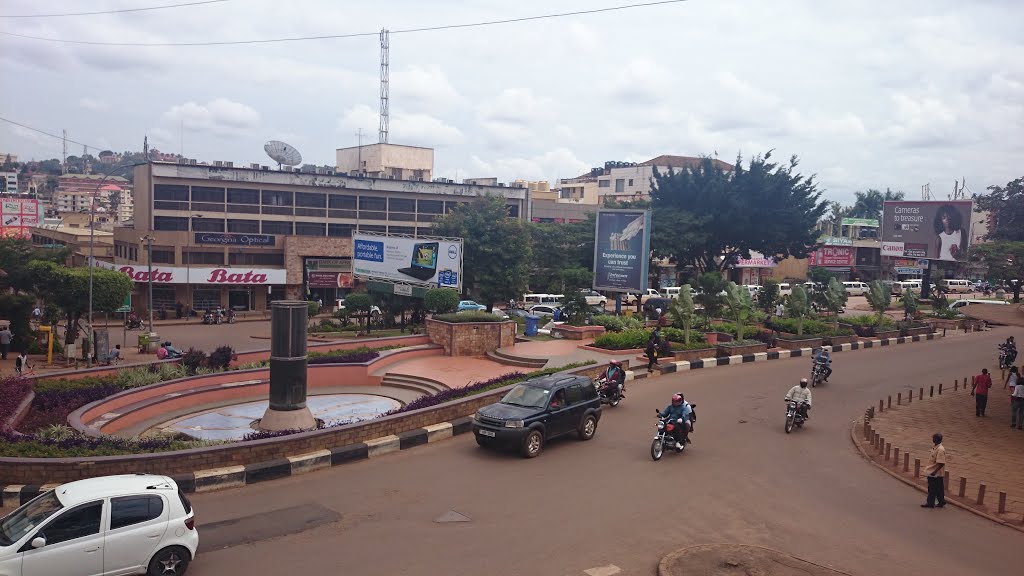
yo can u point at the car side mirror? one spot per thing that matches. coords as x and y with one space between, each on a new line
38 542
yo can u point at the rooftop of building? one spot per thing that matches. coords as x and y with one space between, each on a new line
385 144
92 177
663 161
76 232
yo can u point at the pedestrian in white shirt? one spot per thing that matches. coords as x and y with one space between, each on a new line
1017 407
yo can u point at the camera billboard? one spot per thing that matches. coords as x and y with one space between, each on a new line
622 249
936 230
423 261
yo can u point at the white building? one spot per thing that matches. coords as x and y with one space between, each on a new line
388 161
9 180
625 181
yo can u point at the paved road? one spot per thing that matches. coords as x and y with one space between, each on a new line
585 505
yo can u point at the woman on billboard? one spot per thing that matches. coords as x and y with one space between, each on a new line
949 232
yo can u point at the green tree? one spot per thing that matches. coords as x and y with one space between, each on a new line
68 289
1006 205
441 300
557 246
1004 260
709 218
798 307
879 296
820 275
17 310
709 293
574 301
835 297
768 295
497 253
869 204
16 254
737 300
359 305
910 304
682 312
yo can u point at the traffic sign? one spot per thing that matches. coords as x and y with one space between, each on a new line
126 306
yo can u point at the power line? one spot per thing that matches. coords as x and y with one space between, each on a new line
45 133
111 11
352 35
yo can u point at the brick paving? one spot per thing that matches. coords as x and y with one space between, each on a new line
982 450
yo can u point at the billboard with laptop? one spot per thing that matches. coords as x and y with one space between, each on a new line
936 230
425 261
622 250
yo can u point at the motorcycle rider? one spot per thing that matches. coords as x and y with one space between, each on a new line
802 396
823 358
679 412
616 376
1010 347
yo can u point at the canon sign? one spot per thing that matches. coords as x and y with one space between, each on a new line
213 276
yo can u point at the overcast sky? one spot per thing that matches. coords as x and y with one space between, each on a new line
867 93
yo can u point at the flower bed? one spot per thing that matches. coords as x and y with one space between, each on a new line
740 347
345 357
837 340
788 341
79 446
13 391
624 340
867 325
915 329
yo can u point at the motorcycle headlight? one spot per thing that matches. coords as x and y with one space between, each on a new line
513 423
660 425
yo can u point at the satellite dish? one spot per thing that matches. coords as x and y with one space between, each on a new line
283 154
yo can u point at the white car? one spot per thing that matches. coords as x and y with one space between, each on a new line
542 310
594 298
129 524
340 305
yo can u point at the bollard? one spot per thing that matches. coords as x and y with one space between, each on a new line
899 398
881 446
874 441
920 394
910 397
872 410
888 451
963 487
945 482
896 457
881 407
906 461
940 388
981 494
956 385
890 401
931 391
1002 502
917 467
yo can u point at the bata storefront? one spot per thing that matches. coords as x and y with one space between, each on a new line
240 289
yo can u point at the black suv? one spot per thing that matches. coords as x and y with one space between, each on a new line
538 410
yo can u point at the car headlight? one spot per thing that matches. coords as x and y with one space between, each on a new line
476 416
513 423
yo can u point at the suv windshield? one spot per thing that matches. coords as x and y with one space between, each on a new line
528 396
28 517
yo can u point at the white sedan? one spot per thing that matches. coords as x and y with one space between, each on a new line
130 524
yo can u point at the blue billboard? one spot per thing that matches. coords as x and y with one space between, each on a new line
622 248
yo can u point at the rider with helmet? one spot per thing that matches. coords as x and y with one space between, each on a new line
678 413
616 376
823 358
802 396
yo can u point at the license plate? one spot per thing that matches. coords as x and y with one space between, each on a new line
486 433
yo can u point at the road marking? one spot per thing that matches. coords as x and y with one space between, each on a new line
452 516
608 570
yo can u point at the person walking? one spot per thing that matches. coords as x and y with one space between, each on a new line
1017 407
934 473
652 352
5 342
982 384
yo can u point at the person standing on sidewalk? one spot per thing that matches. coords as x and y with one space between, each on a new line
5 342
1017 407
934 473
652 352
982 383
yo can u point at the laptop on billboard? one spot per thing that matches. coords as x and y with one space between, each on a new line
424 261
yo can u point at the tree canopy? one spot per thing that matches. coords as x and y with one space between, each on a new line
556 247
1006 204
709 218
496 249
68 288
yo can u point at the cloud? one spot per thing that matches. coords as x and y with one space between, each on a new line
550 166
94 104
641 82
424 88
221 117
515 115
404 128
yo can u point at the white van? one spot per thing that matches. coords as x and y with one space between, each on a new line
855 288
961 303
785 289
671 292
752 289
959 286
532 300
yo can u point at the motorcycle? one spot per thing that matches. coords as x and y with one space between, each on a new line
793 416
208 318
231 316
610 394
817 374
664 439
133 324
1006 356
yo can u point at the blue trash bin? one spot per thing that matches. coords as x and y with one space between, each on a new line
532 322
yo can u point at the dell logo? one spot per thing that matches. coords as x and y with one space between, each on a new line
453 252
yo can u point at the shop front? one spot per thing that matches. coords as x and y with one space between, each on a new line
327 279
754 270
838 260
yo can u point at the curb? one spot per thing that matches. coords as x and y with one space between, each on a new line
910 482
237 476
664 566
683 365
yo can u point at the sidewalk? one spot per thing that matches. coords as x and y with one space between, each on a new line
982 450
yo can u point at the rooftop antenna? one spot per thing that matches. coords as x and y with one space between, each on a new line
283 154
385 44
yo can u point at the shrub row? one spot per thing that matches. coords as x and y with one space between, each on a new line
13 390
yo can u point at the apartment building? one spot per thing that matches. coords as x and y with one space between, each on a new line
626 181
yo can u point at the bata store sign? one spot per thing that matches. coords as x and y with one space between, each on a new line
839 256
209 276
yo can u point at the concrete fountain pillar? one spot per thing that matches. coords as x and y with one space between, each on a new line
288 410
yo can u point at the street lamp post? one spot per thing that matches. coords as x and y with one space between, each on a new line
188 265
149 247
92 243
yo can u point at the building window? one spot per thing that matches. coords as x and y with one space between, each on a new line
604 183
430 206
401 205
207 194
277 198
513 210
163 256
409 230
310 229
193 258
342 202
163 298
277 227
311 199
620 185
370 203
340 230
380 229
207 225
171 192
244 226
630 181
170 223
450 206
243 196
256 259
206 298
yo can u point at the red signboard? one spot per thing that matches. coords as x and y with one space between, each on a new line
835 256
316 279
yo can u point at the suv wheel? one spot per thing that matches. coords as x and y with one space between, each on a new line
482 442
533 444
588 427
171 561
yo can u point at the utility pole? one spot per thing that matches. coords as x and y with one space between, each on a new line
64 154
149 246
385 44
359 152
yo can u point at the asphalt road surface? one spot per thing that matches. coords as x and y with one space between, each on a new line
580 505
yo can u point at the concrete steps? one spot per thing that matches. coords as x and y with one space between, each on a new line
519 361
415 383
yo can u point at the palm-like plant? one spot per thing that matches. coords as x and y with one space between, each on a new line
879 295
681 311
835 298
741 307
798 307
